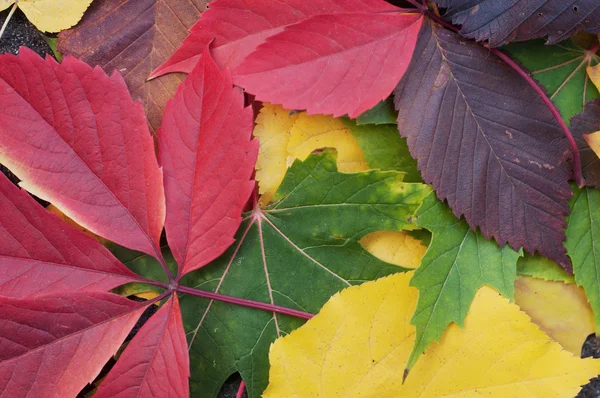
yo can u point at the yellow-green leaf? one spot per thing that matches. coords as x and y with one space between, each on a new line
359 343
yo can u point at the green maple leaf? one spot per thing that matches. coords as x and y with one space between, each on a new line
457 263
561 70
296 253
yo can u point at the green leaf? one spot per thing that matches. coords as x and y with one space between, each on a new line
561 70
542 268
457 263
385 149
295 253
583 230
382 113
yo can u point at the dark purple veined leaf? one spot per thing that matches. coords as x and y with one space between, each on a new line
487 142
503 21
588 122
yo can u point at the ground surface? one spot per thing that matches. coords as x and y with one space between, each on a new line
21 33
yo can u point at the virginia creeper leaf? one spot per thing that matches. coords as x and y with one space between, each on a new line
296 253
561 70
50 15
85 147
208 156
42 255
503 21
53 345
359 342
357 66
155 363
486 142
457 263
134 37
238 27
582 229
588 122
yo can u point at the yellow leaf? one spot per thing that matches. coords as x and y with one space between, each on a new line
359 343
51 15
593 140
52 209
561 310
395 247
594 74
285 136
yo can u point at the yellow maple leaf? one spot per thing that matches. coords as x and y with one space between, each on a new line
559 309
359 343
50 15
594 74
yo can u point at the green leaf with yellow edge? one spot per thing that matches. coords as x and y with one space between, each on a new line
559 309
583 232
359 342
542 268
50 15
457 263
295 253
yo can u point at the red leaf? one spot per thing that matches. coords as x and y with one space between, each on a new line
156 361
239 26
40 254
76 139
332 64
208 157
52 346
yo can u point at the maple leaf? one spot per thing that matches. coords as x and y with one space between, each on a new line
49 15
358 344
501 152
254 22
583 126
72 159
503 21
137 36
347 74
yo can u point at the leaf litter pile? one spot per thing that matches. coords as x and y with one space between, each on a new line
358 198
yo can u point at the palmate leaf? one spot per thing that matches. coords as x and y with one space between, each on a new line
295 253
503 21
487 142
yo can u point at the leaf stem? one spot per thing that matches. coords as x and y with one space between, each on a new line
241 389
577 176
418 5
10 14
243 302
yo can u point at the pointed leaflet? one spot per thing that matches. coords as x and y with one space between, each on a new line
588 122
52 346
503 21
75 138
40 254
208 156
134 37
486 142
332 64
239 26
155 363
457 263
295 253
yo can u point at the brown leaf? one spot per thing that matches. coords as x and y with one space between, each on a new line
134 37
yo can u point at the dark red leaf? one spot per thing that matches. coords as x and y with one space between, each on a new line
486 142
238 27
134 37
75 138
40 254
156 361
332 64
588 122
52 346
503 21
208 157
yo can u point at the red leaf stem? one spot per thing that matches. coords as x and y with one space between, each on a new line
241 389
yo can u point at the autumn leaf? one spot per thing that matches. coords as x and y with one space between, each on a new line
50 15
71 159
542 268
593 72
359 342
347 74
136 37
255 21
584 127
457 263
501 159
503 21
